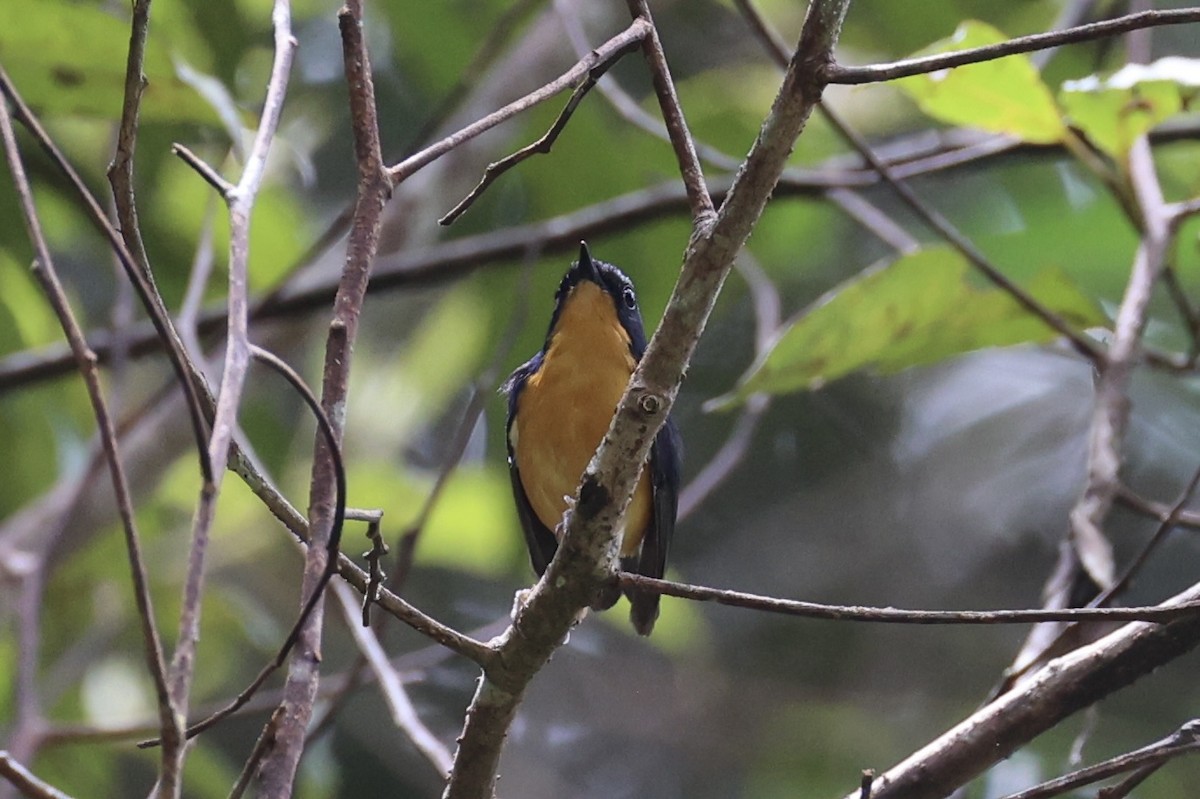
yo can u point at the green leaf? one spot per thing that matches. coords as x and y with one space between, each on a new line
1005 95
25 316
920 309
1114 111
69 59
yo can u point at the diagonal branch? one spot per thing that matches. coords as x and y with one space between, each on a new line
47 277
1185 740
164 329
1068 684
547 139
406 168
586 554
685 149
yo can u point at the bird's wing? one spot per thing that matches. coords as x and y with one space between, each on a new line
538 538
665 466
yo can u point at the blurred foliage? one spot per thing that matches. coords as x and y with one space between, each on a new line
945 485
917 310
1005 95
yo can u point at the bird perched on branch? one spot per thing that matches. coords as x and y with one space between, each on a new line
560 404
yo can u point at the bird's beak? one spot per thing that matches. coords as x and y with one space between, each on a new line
587 267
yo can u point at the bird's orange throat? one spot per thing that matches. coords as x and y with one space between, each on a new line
565 409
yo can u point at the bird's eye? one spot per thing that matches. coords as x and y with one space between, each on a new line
628 298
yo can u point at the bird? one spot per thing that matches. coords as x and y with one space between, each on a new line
560 404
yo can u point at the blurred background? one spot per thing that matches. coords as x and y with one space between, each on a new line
942 486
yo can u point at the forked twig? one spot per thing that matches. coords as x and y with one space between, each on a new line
332 547
46 275
543 144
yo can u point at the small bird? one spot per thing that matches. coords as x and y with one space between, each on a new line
560 404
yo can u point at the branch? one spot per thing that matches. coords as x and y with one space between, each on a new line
587 550
240 199
668 101
450 260
858 613
25 781
404 715
1067 684
1182 741
325 431
545 142
147 293
44 272
626 106
837 74
374 189
406 168
1111 412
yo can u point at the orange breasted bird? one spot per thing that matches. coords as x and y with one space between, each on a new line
560 404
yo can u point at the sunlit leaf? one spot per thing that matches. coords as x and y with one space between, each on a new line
1005 95
69 58
1112 112
918 310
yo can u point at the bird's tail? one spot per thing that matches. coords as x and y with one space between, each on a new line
643 610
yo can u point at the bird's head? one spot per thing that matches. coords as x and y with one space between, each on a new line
595 293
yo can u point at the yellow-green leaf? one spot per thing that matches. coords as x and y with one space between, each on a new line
1004 95
69 58
1112 112
920 309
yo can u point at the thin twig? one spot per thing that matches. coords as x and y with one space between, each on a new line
404 715
931 217
699 201
240 199
547 139
1071 682
1183 741
1038 648
1083 345
266 740
837 74
767 309
328 433
450 260
147 293
211 176
624 104
44 272
407 545
1157 510
25 781
1165 527
1110 414
374 190
401 171
471 75
858 613
374 558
